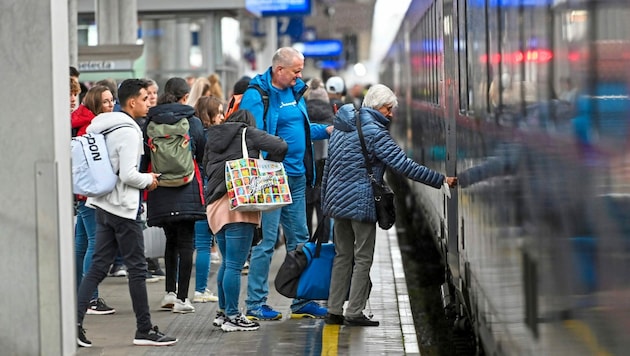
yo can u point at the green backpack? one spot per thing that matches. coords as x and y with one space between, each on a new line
171 152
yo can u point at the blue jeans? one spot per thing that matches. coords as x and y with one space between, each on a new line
84 241
203 242
293 220
114 234
234 242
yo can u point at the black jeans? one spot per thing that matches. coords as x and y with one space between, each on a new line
114 233
178 256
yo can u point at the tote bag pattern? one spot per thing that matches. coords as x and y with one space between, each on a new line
256 184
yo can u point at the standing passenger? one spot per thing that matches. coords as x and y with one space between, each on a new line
234 229
210 110
97 100
348 198
287 118
176 209
117 214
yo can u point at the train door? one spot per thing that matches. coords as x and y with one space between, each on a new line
450 99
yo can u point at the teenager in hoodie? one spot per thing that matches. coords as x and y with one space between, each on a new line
234 230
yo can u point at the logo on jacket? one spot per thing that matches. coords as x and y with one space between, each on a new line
293 103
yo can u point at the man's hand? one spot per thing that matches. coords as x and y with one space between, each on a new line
153 184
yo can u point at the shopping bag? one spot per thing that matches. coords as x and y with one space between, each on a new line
255 184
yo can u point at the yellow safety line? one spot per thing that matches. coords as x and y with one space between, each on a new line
330 340
584 333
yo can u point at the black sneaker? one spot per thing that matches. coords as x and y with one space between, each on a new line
153 338
334 319
98 307
81 339
361 321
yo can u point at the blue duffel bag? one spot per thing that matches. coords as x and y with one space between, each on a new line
306 271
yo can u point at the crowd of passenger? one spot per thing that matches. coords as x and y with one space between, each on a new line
309 126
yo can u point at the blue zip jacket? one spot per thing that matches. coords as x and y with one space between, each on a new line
252 101
346 189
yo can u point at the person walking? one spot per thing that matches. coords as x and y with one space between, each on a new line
234 230
283 114
118 213
348 198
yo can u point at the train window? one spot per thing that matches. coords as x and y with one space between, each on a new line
462 50
477 52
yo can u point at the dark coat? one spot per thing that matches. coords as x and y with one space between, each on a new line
224 144
346 189
173 204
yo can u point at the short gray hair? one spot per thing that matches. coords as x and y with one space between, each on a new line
378 96
284 56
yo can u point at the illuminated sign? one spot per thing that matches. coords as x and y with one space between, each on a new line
320 48
278 7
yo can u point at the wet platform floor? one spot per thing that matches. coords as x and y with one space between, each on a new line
389 303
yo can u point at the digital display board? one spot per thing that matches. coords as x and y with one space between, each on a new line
278 7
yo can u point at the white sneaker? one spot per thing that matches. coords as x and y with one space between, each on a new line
206 296
183 307
215 257
168 301
239 323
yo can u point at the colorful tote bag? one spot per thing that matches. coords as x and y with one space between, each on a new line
255 184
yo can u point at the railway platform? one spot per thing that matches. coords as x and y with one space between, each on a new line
389 302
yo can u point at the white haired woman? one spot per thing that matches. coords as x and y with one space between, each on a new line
347 197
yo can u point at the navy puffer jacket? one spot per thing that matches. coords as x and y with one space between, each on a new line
346 189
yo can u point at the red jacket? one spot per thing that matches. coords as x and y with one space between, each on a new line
81 119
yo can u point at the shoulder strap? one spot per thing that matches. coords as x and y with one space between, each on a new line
244 143
368 166
265 98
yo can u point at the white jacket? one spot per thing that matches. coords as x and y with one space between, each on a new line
124 146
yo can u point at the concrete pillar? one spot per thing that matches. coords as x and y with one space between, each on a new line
73 39
271 44
166 46
183 41
151 35
107 21
210 43
128 20
38 316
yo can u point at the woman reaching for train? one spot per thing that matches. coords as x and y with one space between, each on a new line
347 197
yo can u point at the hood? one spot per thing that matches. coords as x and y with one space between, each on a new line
264 81
170 113
108 120
220 137
345 121
319 112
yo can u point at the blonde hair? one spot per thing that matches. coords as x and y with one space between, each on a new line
75 87
215 86
200 88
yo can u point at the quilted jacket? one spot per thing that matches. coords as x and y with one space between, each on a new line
346 189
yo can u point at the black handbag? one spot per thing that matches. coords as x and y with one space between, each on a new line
383 195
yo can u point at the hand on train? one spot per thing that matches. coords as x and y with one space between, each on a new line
451 181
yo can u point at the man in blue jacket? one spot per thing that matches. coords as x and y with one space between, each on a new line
279 108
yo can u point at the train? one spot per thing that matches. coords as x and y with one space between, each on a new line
526 102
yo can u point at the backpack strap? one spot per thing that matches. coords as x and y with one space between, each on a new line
265 99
